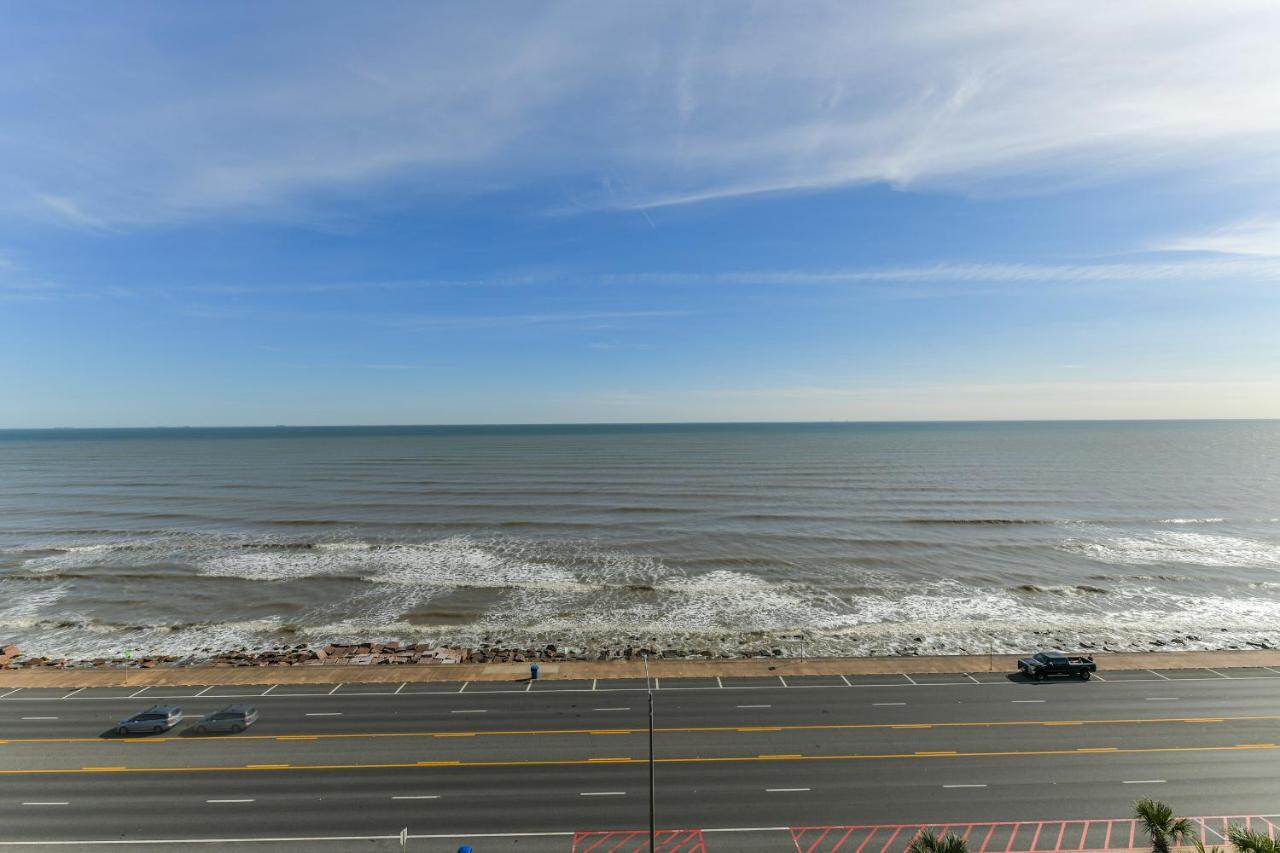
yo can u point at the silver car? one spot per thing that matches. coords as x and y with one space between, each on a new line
233 718
154 720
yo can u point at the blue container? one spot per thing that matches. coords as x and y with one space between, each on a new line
533 672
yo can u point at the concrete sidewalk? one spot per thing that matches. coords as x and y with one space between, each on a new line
586 670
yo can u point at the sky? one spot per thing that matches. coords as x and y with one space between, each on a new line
250 213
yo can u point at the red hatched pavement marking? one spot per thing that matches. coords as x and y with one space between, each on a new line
1051 836
637 841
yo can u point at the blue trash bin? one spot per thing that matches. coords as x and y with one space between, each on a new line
466 848
533 672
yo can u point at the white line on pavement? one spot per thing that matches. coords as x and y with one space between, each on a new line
1158 675
471 711
10 693
755 706
908 678
324 713
335 689
418 797
1162 698
1143 782
602 794
846 681
206 690
613 709
885 704
1025 701
138 692
269 689
401 687
964 786
464 686
783 790
228 801
39 718
62 803
73 692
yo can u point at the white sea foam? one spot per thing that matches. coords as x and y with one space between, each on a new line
1192 520
1176 547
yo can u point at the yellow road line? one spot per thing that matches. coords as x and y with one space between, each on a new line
676 729
727 759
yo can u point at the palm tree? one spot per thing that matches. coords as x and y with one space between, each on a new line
1159 823
927 842
1248 841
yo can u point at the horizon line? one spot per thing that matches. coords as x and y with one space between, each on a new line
517 424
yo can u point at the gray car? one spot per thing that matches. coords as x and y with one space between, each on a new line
233 718
154 720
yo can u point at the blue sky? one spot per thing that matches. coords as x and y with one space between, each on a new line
316 213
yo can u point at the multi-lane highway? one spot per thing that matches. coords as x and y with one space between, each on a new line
506 765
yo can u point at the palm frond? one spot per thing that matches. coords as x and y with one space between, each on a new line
928 842
1248 841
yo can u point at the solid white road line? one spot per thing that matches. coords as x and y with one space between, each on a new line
755 706
1025 701
62 803
602 794
612 709
1162 698
885 704
471 711
964 786
783 790
324 713
418 797
1143 782
39 718
228 801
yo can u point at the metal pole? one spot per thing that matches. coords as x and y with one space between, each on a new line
653 822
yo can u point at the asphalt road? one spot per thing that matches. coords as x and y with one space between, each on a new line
744 759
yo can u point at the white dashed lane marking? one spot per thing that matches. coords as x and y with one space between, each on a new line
784 790
602 794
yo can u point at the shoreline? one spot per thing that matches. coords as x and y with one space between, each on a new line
565 670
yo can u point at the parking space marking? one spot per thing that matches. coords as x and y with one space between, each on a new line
324 713
401 687
73 692
50 803
471 711
334 690
755 706
784 790
602 794
417 797
909 678
1153 672
1026 701
137 693
1143 782
464 686
612 709
845 679
228 801
206 690
269 689
886 704
39 718
1162 698
10 693
970 785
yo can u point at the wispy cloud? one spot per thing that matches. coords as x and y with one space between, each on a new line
676 103
1260 237
574 319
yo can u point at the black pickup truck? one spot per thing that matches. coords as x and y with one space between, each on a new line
1044 665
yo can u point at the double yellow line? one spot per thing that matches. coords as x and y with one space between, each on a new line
935 755
669 729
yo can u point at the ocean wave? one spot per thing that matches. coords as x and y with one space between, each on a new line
1169 547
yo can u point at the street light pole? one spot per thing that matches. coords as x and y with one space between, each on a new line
653 832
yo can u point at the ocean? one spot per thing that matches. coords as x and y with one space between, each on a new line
839 538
